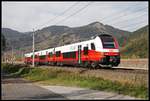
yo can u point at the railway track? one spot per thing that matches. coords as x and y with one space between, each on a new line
114 69
131 68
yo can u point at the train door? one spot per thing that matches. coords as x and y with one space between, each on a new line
54 55
79 54
46 58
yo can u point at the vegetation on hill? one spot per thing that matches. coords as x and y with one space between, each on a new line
132 45
136 45
53 36
3 42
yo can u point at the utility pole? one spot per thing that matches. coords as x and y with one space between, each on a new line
12 55
4 57
33 50
22 59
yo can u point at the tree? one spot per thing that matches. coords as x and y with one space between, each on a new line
3 42
3 46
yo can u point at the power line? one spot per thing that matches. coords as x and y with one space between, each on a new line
66 18
79 10
122 11
129 19
12 54
135 23
132 18
136 27
33 50
123 14
68 9
123 27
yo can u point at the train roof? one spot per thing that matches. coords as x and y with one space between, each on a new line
65 47
73 46
104 35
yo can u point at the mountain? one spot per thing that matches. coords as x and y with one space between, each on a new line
53 36
16 39
3 43
137 44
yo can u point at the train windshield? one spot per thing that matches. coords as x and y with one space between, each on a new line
107 41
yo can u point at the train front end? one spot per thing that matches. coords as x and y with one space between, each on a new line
109 47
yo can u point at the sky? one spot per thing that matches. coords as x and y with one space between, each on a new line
26 16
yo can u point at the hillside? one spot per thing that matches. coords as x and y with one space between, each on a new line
16 39
137 44
3 43
53 36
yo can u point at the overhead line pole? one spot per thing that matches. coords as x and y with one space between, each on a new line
22 56
33 50
12 55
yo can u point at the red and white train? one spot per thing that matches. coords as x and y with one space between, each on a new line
102 50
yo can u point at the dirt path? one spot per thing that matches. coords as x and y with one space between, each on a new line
84 93
20 89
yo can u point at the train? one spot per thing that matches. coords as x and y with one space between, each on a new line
102 50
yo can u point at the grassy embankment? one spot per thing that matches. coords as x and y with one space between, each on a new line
55 76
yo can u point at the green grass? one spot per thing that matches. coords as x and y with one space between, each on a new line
55 76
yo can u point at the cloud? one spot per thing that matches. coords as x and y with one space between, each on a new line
24 16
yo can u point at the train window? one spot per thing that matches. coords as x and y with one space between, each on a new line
42 56
108 45
72 54
35 56
92 46
69 55
58 53
50 54
108 42
65 55
85 50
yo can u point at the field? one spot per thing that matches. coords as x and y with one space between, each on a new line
124 76
142 63
128 82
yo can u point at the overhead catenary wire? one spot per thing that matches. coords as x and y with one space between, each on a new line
130 19
119 16
120 12
136 27
122 27
135 18
126 14
65 11
79 10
